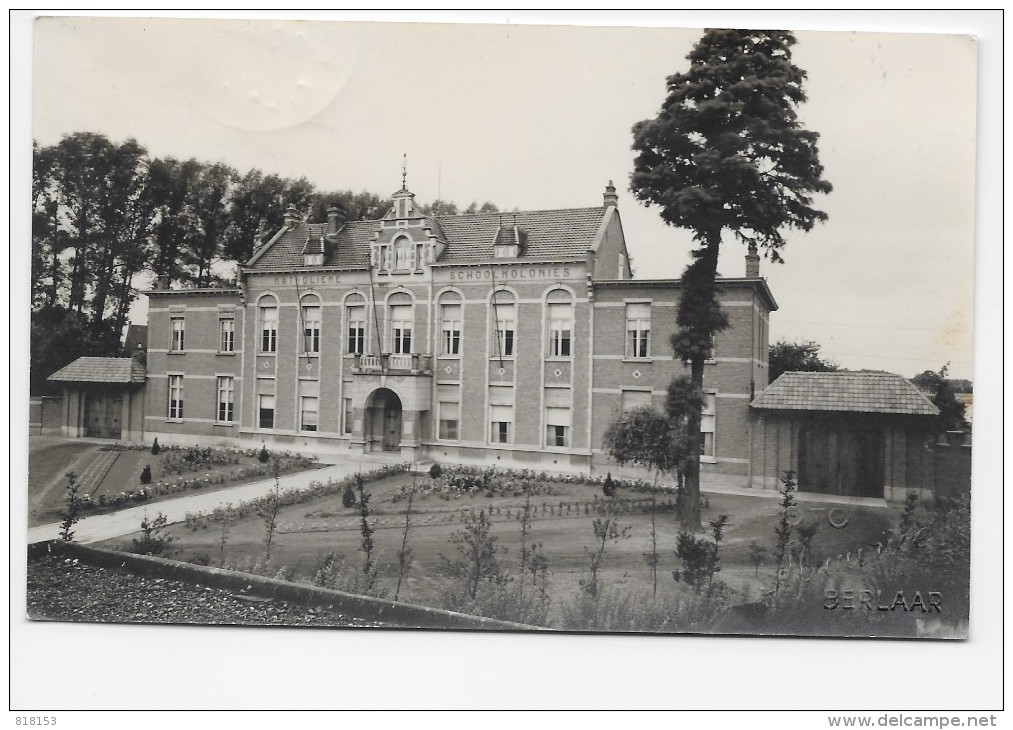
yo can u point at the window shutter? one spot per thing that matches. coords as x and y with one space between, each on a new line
558 417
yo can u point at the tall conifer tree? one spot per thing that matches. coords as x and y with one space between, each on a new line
727 154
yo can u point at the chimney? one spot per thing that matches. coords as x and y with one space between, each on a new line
611 199
291 216
334 216
752 262
162 282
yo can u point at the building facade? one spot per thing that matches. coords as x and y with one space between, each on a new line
509 339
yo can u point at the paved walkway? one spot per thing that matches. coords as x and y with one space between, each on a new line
127 521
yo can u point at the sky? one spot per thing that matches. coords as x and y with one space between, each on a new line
538 117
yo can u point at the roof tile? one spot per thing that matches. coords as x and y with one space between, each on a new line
861 392
101 370
568 234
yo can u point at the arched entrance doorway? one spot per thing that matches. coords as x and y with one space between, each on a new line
383 420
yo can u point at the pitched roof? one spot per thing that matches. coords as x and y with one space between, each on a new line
861 392
545 234
101 370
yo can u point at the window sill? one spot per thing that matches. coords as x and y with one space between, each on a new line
176 352
638 359
227 424
311 355
559 358
225 353
174 420
497 358
448 356
270 354
708 460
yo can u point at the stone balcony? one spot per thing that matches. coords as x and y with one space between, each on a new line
393 364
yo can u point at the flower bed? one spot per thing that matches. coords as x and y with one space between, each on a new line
461 481
180 467
195 520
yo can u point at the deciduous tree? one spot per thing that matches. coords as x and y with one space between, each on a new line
952 411
802 356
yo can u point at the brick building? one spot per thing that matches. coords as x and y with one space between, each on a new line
509 339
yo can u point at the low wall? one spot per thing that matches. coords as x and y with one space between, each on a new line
45 415
363 607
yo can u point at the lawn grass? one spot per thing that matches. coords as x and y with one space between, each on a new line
50 459
308 531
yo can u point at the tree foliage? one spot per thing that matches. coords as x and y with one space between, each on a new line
104 212
644 436
726 153
943 394
802 356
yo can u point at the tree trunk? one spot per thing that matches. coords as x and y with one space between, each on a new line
703 288
103 282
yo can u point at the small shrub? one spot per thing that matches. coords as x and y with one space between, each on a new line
146 474
435 471
348 498
72 508
155 448
263 456
152 540
608 488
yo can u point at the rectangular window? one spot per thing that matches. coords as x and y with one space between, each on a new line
175 396
226 335
401 329
308 413
348 415
450 413
176 343
501 418
638 330
266 415
505 318
557 422
226 397
357 329
451 317
633 399
268 329
311 329
708 425
560 329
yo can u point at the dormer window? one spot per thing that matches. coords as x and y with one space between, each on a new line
506 251
509 239
313 252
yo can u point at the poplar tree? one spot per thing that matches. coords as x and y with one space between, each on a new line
726 155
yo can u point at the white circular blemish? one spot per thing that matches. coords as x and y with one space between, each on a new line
276 75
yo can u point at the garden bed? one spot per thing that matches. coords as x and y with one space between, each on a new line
318 540
179 470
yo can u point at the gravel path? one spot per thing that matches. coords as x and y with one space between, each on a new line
65 589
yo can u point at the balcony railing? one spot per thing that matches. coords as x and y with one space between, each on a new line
410 364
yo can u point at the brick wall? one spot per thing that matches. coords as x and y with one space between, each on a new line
200 362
